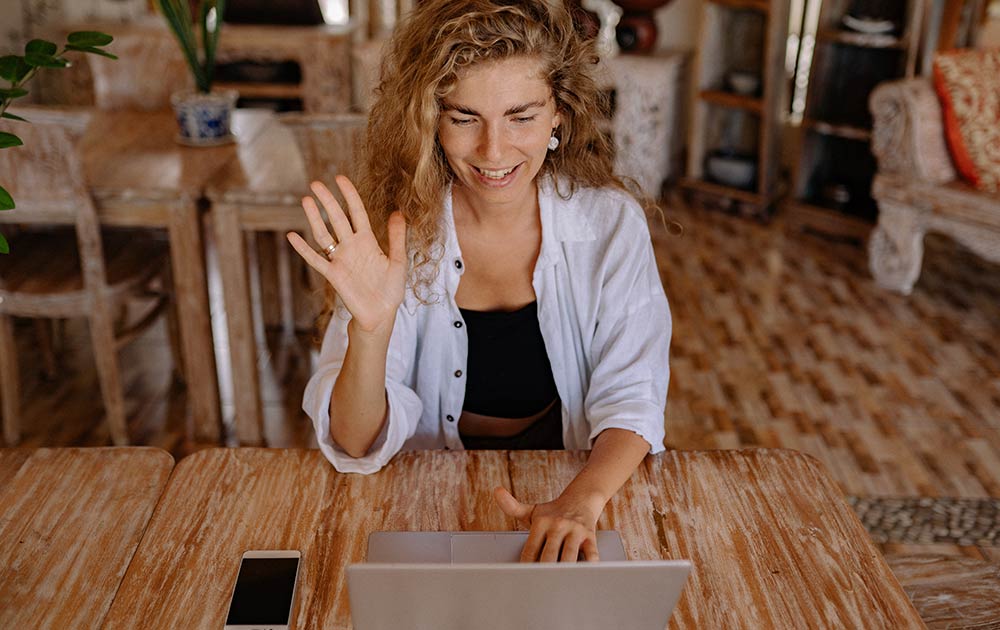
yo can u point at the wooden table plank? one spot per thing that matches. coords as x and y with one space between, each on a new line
70 521
773 543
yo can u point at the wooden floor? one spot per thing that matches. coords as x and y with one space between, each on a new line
780 340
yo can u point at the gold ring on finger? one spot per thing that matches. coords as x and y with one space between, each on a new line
329 249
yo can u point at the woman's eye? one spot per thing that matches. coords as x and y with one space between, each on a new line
461 122
524 119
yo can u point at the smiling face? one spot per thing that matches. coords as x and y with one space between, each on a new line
494 129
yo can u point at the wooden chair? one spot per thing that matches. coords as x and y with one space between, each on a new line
63 273
330 145
149 68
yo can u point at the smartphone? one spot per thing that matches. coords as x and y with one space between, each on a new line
264 592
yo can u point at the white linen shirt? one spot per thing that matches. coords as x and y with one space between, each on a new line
604 320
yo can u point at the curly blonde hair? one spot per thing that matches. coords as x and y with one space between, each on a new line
403 165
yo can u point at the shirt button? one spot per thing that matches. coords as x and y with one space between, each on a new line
458 264
458 324
458 373
450 418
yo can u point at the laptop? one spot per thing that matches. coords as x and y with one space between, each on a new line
473 580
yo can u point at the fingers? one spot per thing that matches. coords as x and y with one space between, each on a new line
317 262
536 537
341 226
589 549
397 237
320 234
511 506
571 546
359 216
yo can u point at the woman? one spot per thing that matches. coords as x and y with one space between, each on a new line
519 305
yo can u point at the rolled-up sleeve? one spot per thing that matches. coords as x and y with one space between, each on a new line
404 405
631 342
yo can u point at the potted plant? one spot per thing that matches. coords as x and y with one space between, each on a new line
203 115
17 70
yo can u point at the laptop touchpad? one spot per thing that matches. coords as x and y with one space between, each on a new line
487 547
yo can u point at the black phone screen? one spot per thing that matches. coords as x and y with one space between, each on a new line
263 592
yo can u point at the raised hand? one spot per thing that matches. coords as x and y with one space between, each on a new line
370 283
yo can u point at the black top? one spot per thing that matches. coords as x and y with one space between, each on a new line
508 374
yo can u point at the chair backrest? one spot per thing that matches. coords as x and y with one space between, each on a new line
46 179
150 67
330 144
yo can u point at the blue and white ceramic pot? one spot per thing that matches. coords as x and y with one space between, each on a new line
204 119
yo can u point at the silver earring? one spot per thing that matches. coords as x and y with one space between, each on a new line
553 143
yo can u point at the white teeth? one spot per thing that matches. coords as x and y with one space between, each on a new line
495 174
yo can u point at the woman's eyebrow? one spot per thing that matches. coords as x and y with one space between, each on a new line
468 111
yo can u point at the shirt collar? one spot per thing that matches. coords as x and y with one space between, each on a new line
562 221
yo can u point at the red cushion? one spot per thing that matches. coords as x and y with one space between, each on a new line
968 84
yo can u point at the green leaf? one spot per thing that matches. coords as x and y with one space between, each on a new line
6 93
4 247
13 117
8 140
91 50
45 61
6 201
40 47
89 38
13 68
8 67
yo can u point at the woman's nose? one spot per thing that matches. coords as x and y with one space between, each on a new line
491 144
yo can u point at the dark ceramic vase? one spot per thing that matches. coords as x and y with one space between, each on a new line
636 32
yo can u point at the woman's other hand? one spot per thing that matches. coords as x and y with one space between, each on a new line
370 283
559 531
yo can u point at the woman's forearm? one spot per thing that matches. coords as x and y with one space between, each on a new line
615 456
358 406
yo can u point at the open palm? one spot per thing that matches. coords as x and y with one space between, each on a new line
370 283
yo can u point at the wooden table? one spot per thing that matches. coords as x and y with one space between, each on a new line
261 190
141 177
772 541
70 520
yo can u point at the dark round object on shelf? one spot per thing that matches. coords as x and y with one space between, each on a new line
641 5
636 32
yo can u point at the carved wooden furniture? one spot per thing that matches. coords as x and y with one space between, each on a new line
746 37
259 192
70 273
835 167
917 188
71 521
321 52
646 123
772 541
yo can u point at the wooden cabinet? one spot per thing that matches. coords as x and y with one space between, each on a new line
859 44
737 105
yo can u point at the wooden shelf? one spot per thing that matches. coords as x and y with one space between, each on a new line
732 100
721 190
861 40
801 215
848 132
265 90
751 5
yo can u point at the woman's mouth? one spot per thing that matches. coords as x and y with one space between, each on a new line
499 177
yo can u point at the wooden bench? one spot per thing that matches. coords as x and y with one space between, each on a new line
917 187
